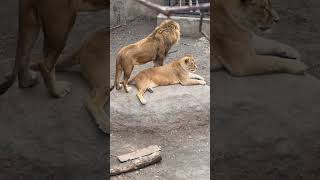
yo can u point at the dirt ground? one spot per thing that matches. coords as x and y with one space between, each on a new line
185 149
44 138
267 127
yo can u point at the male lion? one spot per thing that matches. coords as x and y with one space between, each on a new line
178 72
95 67
56 18
154 48
239 50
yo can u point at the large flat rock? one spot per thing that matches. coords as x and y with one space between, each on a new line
266 127
175 118
168 107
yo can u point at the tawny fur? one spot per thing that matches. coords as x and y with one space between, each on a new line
239 50
154 47
178 72
95 67
56 19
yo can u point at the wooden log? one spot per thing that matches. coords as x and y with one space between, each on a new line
139 153
136 164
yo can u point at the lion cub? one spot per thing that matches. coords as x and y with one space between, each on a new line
178 72
154 47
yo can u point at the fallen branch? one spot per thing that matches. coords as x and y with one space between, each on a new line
136 164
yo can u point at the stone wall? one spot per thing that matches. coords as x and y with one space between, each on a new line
122 11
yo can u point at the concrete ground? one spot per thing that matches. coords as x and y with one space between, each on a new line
267 127
185 143
44 138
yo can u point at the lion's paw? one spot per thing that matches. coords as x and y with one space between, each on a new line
28 79
128 89
61 89
203 82
299 68
118 86
289 52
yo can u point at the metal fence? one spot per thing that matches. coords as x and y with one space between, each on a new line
200 8
188 3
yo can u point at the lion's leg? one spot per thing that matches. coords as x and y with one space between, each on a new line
190 82
195 76
55 41
127 72
140 94
160 58
270 47
95 106
29 28
119 71
268 64
157 63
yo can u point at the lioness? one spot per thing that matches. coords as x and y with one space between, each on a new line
56 18
178 72
154 48
239 50
95 67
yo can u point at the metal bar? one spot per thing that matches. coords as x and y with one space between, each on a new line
200 26
166 10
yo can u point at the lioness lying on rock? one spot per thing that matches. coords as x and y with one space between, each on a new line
178 72
239 50
154 47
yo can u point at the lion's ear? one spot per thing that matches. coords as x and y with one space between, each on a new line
186 60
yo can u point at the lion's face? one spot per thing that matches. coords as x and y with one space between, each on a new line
259 14
189 63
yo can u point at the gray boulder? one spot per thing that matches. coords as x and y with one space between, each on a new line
169 107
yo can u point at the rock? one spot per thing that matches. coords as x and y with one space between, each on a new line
169 107
266 126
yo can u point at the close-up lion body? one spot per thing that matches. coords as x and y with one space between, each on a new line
177 72
95 67
154 47
239 50
56 19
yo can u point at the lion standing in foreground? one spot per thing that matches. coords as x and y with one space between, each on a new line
239 50
178 72
56 19
154 47
95 67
